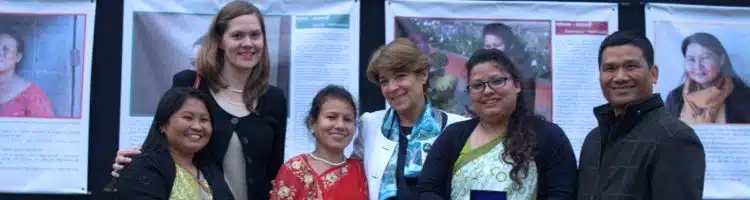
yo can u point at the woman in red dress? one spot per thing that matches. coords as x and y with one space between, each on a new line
18 96
325 173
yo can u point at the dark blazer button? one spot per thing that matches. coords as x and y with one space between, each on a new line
235 120
244 139
248 160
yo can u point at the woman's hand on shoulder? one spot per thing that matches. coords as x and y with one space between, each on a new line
123 158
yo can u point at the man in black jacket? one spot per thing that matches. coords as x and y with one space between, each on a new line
638 151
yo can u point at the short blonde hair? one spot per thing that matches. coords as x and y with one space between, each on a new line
400 55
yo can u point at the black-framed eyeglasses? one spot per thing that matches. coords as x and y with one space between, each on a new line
493 83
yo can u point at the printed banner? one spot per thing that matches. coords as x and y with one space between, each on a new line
701 52
45 70
320 38
555 46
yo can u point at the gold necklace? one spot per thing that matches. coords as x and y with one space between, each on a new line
326 161
230 101
235 90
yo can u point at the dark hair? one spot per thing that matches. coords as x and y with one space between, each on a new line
172 100
520 146
20 44
325 94
712 43
210 59
514 46
620 38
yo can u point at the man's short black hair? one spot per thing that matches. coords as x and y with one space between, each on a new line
619 38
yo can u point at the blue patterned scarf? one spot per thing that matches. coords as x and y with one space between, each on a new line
423 134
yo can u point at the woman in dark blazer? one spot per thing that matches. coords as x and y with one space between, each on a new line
174 163
712 92
249 114
507 149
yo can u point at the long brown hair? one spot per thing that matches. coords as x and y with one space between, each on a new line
520 146
210 60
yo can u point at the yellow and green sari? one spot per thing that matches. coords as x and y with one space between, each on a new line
186 187
482 169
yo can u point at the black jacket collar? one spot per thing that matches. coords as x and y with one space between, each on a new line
612 126
607 111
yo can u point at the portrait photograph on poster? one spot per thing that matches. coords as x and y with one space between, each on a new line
41 65
450 42
166 43
704 80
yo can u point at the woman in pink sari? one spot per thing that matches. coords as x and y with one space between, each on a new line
325 173
18 97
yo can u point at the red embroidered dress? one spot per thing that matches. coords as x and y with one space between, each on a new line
32 102
297 180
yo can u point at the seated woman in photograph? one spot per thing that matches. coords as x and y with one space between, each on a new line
506 149
712 92
173 163
18 97
325 173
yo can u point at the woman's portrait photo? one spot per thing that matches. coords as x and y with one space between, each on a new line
707 84
41 65
449 43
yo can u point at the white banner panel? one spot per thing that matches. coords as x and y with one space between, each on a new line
45 70
702 52
547 39
319 38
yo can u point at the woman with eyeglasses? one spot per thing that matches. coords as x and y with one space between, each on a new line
507 150
18 96
394 142
501 37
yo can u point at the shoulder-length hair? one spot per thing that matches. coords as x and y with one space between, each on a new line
210 60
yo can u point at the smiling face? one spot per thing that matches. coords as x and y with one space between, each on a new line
242 42
492 90
701 64
624 75
189 128
9 55
403 90
334 126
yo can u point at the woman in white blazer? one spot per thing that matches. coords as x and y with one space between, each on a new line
393 143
